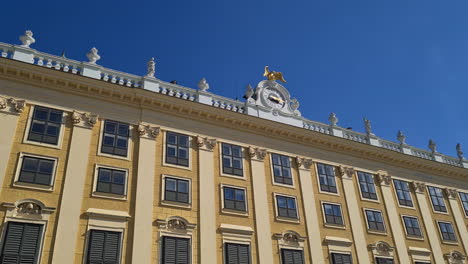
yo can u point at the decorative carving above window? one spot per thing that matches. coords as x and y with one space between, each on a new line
304 163
84 119
346 171
175 224
12 105
381 248
28 209
206 143
418 186
455 257
148 131
451 193
289 238
257 153
383 178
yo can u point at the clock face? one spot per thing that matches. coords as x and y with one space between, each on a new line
273 98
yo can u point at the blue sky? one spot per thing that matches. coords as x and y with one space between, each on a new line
401 64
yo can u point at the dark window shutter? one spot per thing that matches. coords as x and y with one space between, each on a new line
103 247
237 253
176 250
290 256
21 243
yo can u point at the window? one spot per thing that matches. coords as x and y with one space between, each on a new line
341 258
111 181
36 170
232 159
447 232
464 200
176 190
45 125
367 186
412 226
282 169
291 256
234 199
419 262
115 138
437 199
103 247
236 253
175 250
332 214
403 193
286 206
383 261
177 149
21 243
327 178
375 220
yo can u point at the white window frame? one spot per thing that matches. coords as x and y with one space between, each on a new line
325 219
396 194
404 227
62 128
454 231
383 257
190 149
293 186
282 218
174 203
375 187
316 163
443 198
235 238
95 193
330 252
167 232
376 232
17 183
461 202
244 171
130 140
231 211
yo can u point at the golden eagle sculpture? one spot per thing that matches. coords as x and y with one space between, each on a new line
273 76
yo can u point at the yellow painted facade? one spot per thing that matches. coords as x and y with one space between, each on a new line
203 219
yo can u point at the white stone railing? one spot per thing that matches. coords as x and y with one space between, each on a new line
390 145
177 91
92 70
57 63
354 136
228 104
316 126
120 78
6 50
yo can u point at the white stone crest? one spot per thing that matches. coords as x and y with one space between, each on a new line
257 153
206 143
27 39
152 132
86 119
304 162
418 186
93 55
29 208
203 85
384 178
151 68
455 257
346 171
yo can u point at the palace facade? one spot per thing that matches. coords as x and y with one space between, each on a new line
101 166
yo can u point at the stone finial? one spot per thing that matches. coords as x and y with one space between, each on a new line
294 104
368 127
333 119
459 151
203 85
93 55
27 39
401 137
432 146
151 68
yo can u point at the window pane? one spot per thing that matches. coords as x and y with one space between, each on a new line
291 203
229 193
40 113
108 140
276 159
171 138
109 127
171 184
182 186
183 141
123 130
38 127
30 164
281 201
119 178
52 130
237 151
46 167
240 195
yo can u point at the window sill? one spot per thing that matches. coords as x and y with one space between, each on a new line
328 193
370 200
176 204
113 156
288 220
177 166
46 145
406 207
415 238
284 185
109 196
334 226
234 212
375 232
233 176
442 213
450 242
46 188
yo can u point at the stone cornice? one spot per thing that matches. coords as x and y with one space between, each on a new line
139 98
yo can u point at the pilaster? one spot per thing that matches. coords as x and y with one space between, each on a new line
459 215
207 200
142 238
347 175
393 217
310 210
75 174
432 233
9 115
262 216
